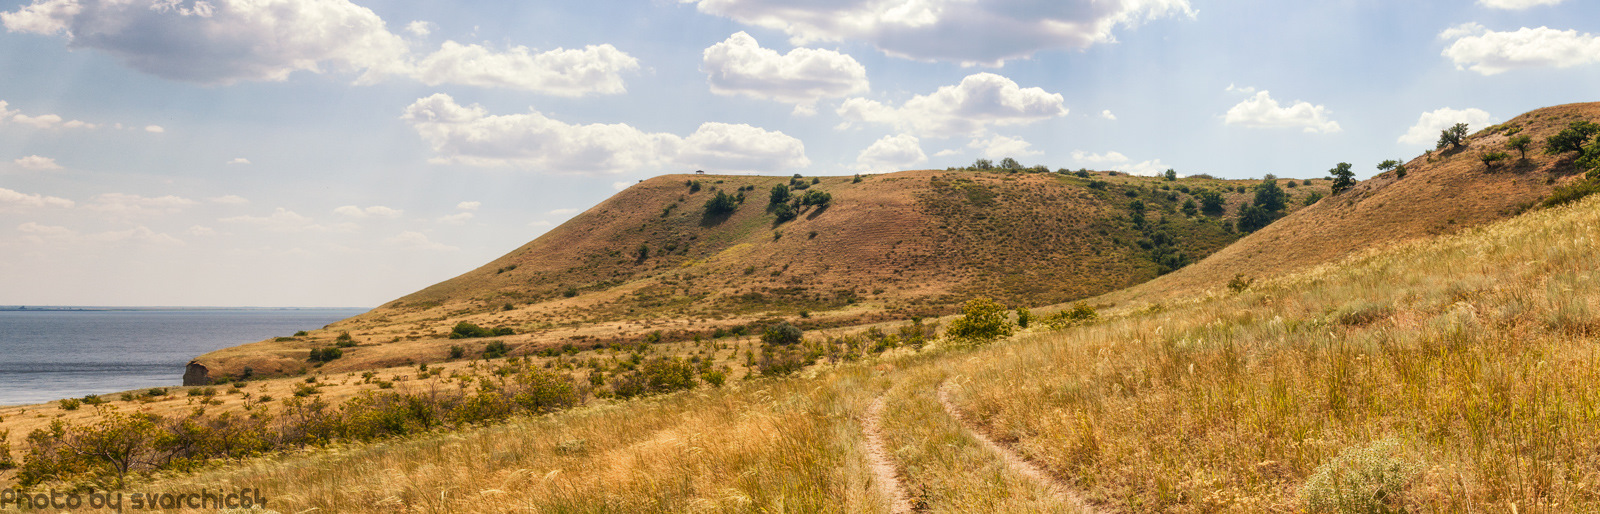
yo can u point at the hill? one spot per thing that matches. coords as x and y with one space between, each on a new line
1442 192
654 263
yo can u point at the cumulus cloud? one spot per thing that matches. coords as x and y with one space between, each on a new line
1261 111
1488 52
560 72
455 219
928 29
740 66
1429 124
51 121
35 162
892 153
470 135
220 41
1003 146
418 240
469 206
1095 158
139 234
229 41
239 161
51 231
1516 4
154 129
9 198
1148 168
1107 115
376 211
420 28
284 220
979 101
124 203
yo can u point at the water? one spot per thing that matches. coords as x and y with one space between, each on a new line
50 355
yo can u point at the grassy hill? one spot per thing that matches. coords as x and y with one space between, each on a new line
652 264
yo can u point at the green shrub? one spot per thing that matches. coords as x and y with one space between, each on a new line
325 354
465 330
1240 283
1024 317
495 350
982 320
71 404
1572 138
1366 478
722 203
816 197
778 194
456 351
1080 314
782 334
785 213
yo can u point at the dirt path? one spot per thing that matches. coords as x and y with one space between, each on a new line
882 466
1014 460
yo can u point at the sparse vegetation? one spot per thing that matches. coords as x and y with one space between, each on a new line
982 320
1343 178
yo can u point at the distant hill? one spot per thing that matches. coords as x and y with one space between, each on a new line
1443 191
891 246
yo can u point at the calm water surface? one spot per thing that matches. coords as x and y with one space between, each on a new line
50 355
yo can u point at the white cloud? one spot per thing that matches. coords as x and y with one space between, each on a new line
1426 131
201 231
946 30
9 198
376 211
892 153
229 41
418 240
470 135
947 152
229 200
1095 158
421 28
239 160
1516 4
456 219
4 112
51 121
46 230
123 203
154 129
739 66
34 162
1261 111
284 220
220 41
469 206
1148 168
1487 52
1107 115
139 234
969 108
560 72
1003 146
727 147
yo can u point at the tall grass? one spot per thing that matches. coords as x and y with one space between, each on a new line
1475 353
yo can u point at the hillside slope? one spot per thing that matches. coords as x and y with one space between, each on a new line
1442 192
652 264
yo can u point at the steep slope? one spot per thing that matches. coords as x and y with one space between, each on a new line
652 264
1442 192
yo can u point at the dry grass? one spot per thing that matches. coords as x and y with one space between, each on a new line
1475 351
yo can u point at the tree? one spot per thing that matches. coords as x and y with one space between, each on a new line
1520 144
1343 177
1453 136
785 212
1388 165
779 194
1010 164
1489 158
1189 207
982 164
1270 197
1253 217
1572 138
981 320
723 203
1211 202
1171 174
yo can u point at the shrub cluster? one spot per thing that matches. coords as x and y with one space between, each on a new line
465 330
982 320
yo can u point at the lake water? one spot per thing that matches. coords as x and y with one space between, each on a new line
53 354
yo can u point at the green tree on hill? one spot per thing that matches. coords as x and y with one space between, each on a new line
779 194
1453 136
1270 197
1171 174
1572 138
723 203
1343 177
1211 202
1520 144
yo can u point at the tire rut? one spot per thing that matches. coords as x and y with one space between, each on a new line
883 467
1061 490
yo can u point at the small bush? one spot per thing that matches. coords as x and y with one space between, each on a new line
782 334
982 320
325 354
1080 314
465 330
1367 478
71 404
722 203
1024 316
495 350
1240 283
785 213
456 351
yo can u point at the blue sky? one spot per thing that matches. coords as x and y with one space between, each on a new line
344 153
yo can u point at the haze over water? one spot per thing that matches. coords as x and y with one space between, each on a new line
53 354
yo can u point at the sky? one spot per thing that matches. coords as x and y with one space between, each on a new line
346 153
